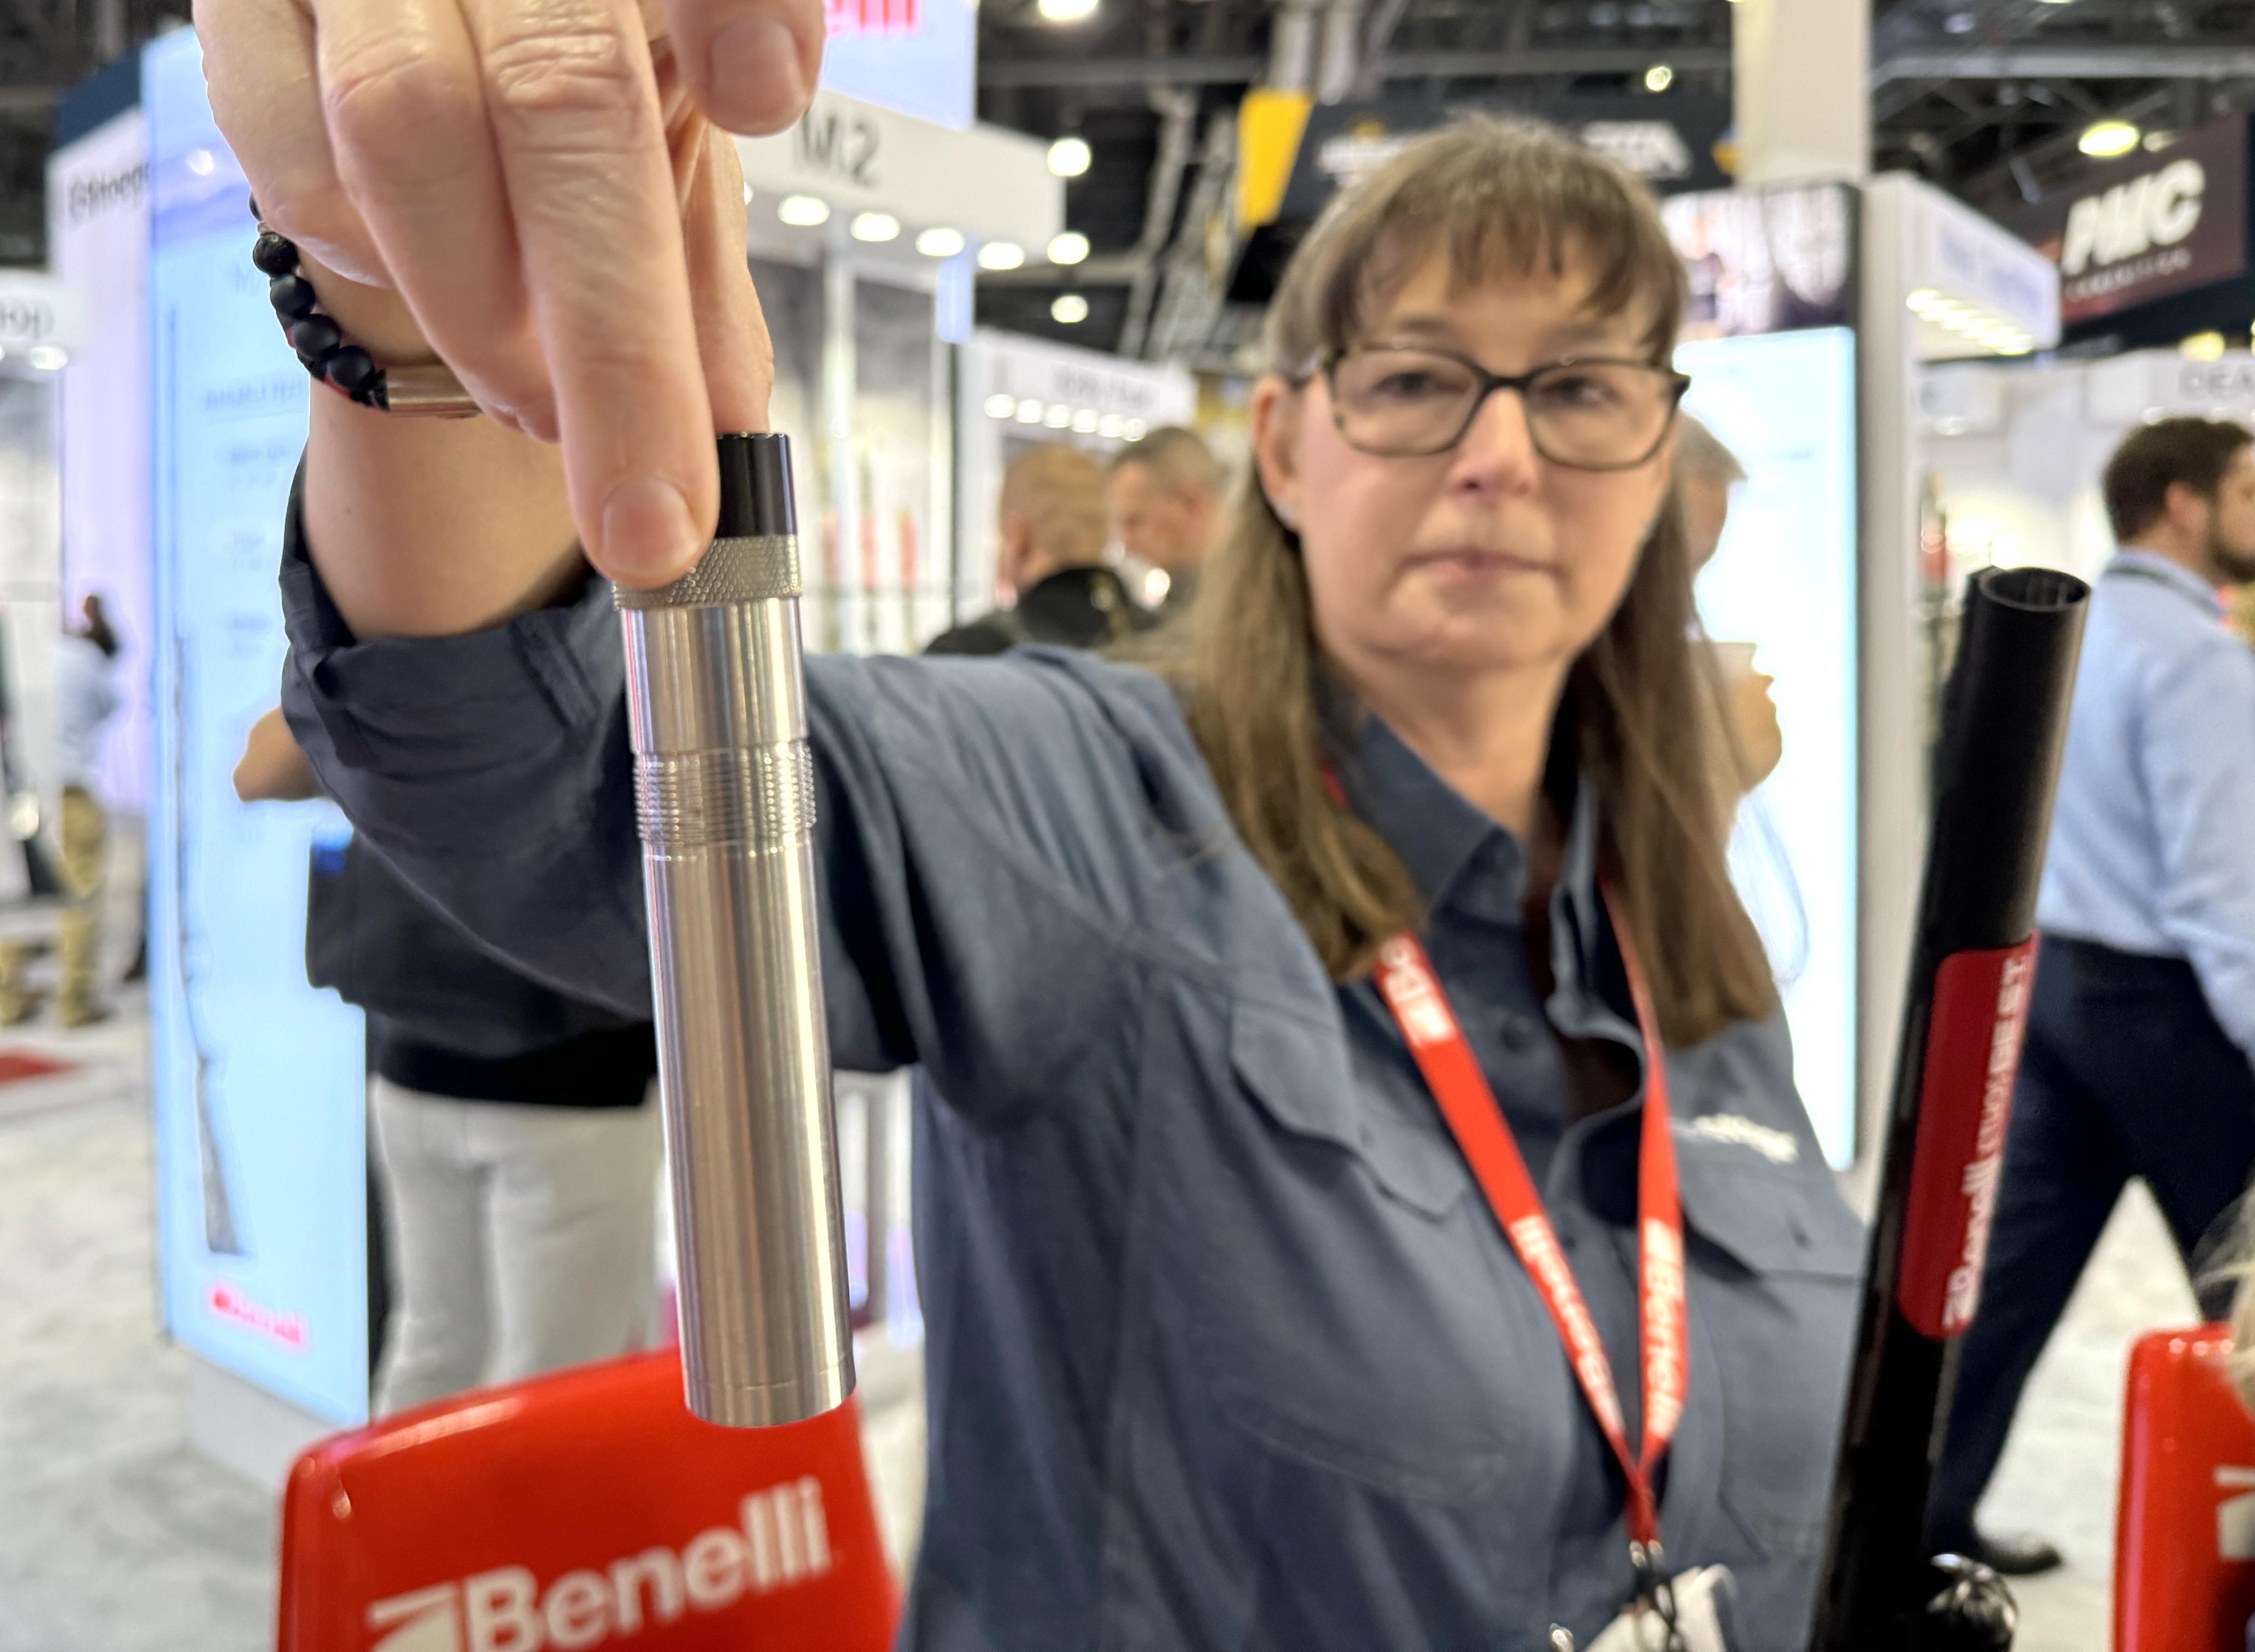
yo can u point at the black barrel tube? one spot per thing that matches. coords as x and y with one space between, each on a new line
2004 724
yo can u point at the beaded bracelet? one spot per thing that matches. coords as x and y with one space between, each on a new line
425 390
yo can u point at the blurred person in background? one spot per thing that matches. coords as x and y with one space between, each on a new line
1753 742
1166 508
516 1143
1226 1345
1706 472
1050 535
87 700
2136 1061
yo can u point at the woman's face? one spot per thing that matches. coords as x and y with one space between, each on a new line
1483 559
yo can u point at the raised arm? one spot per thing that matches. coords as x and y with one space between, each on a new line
527 189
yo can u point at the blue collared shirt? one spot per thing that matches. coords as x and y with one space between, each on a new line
1226 1349
2153 838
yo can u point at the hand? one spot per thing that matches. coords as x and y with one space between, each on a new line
533 187
272 769
1760 742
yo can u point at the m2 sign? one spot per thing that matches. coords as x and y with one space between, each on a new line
2149 224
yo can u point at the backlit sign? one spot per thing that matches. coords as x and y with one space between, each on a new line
2149 224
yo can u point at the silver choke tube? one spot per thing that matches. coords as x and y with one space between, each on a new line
716 695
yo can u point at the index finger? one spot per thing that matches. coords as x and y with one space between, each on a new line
751 64
573 102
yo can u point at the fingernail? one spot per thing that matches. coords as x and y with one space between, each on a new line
755 77
647 532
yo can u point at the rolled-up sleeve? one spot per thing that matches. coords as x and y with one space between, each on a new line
2198 753
999 842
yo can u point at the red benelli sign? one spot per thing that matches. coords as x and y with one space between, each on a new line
1965 1100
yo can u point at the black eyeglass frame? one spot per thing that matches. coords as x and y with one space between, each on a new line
1489 383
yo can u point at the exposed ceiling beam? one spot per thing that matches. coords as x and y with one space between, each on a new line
2071 63
1121 71
1397 65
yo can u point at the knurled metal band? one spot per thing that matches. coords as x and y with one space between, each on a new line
751 570
761 799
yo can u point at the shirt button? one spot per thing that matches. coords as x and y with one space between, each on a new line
1518 1032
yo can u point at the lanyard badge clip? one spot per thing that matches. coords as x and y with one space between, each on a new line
1656 1593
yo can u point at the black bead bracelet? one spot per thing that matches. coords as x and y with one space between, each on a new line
430 390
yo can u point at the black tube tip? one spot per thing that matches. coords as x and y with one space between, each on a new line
755 499
2034 590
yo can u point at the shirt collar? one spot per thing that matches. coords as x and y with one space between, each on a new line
2190 584
1454 852
1436 830
1460 858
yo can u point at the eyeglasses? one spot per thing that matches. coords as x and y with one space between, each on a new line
1587 416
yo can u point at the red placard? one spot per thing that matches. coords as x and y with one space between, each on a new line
583 1511
1965 1099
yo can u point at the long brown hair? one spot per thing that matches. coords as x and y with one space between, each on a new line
1498 197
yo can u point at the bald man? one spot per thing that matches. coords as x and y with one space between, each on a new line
1051 534
1166 498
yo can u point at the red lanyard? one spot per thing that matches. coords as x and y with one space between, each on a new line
1413 992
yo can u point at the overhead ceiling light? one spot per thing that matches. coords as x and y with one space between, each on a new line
876 226
2203 346
1659 78
2106 139
49 358
1001 405
1085 421
1058 417
1069 308
1068 157
1002 254
1134 430
1110 425
1071 247
804 211
1030 411
940 243
1067 11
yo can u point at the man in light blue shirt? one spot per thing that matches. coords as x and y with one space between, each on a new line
2140 1037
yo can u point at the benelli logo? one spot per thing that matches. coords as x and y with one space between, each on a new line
783 1541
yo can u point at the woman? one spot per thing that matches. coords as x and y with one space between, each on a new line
1227 1349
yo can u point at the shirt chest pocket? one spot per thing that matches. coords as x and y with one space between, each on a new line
1778 1261
1353 1306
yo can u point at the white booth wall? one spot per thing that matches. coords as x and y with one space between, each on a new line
2013 455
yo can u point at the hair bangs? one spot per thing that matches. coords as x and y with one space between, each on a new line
1501 198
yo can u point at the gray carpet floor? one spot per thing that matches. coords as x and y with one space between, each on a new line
116 1536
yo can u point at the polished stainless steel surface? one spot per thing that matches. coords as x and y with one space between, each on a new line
717 703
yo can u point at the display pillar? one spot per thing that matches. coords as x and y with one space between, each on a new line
838 621
1800 85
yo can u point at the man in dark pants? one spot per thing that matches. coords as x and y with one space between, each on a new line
1051 555
2137 1059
